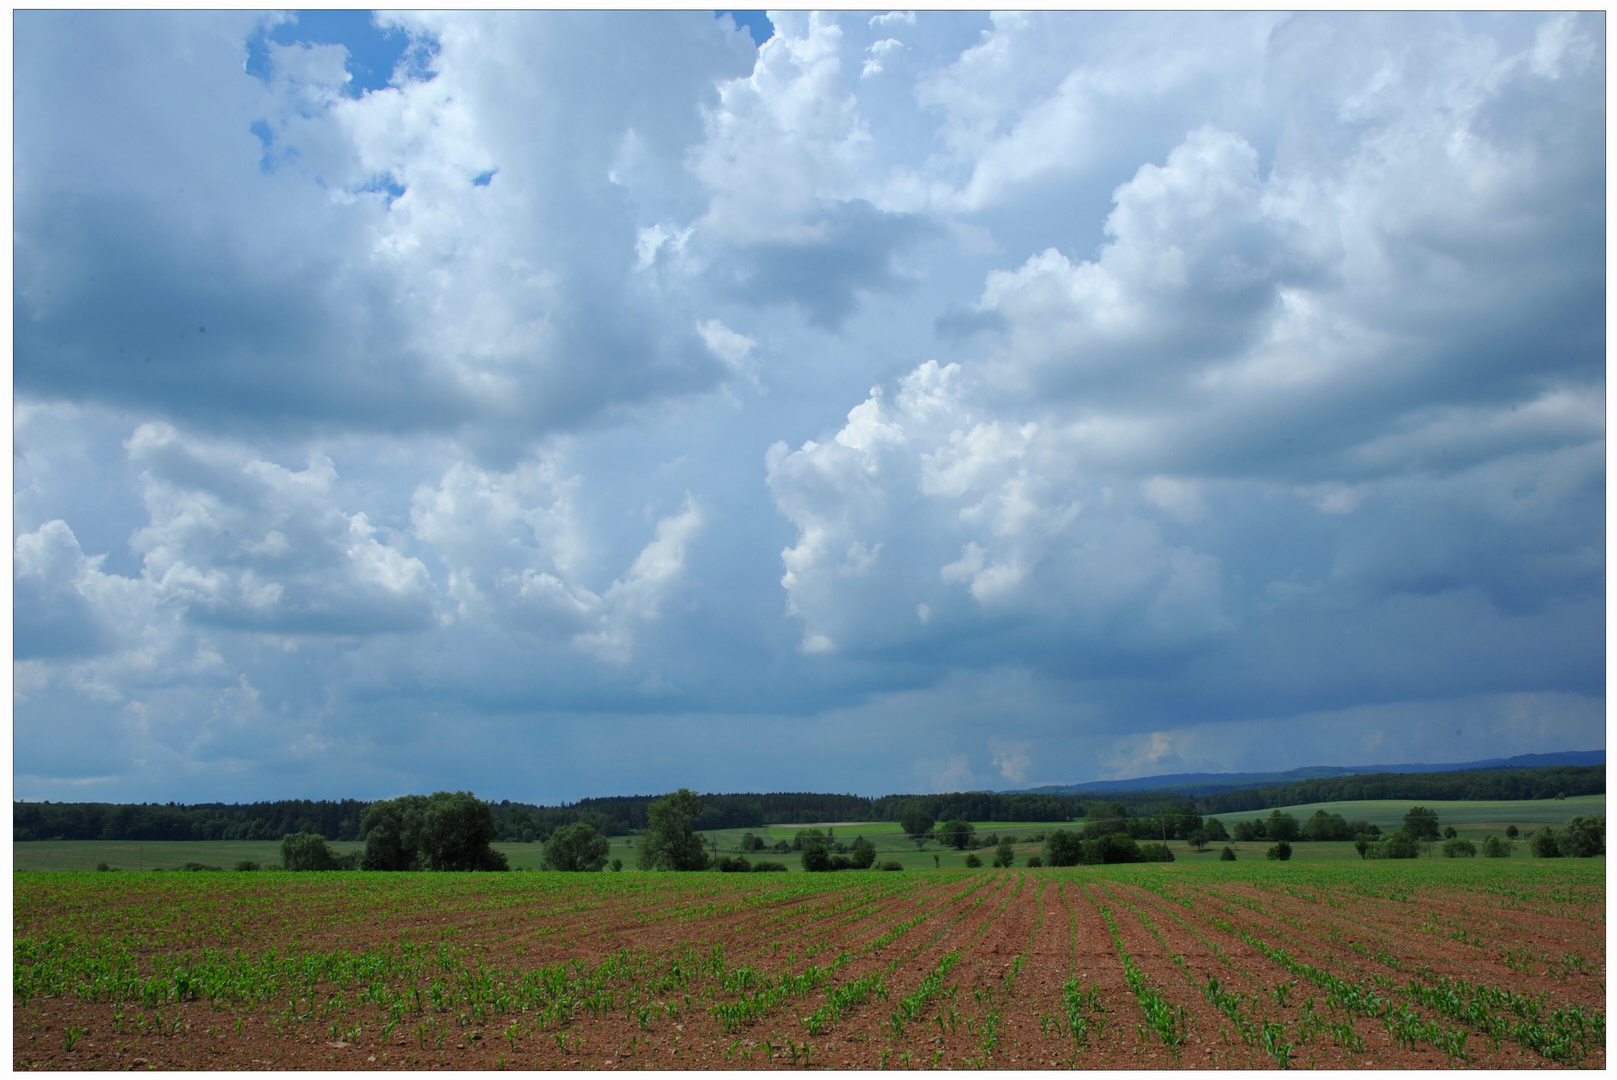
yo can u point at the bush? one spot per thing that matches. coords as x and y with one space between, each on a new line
1512 832
817 858
1279 852
1116 848
246 865
306 851
782 847
617 866
737 865
1455 848
1397 845
1226 855
749 842
1155 853
892 864
1063 848
1362 846
196 866
102 867
1544 845
973 862
1034 860
1495 848
1449 832
761 867
1584 837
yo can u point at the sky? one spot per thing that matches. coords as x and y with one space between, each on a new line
561 404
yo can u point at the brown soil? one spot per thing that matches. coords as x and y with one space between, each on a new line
1020 937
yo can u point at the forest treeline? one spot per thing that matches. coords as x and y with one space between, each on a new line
1482 785
984 806
335 820
617 815
514 822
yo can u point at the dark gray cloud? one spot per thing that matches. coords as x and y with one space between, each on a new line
853 250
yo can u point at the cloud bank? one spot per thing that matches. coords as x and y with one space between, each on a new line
604 402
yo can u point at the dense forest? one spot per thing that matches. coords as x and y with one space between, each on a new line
514 821
203 821
616 815
985 806
1479 785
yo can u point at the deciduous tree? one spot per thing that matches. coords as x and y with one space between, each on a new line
957 834
671 842
576 848
449 830
1421 823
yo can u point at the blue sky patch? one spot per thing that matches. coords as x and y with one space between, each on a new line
374 53
756 23
384 185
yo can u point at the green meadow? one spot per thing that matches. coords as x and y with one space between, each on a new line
1467 818
1473 820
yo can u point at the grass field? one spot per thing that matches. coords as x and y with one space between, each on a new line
1424 964
1466 817
1472 820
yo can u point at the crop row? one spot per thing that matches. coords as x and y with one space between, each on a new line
863 969
1563 1034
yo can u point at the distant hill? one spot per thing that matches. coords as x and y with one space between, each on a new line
1215 783
1467 785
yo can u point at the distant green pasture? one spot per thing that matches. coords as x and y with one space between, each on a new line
1480 818
225 854
1472 820
148 854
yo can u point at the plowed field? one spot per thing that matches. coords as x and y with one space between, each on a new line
1434 963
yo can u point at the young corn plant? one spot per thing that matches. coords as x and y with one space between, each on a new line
1084 1011
1170 1022
909 1008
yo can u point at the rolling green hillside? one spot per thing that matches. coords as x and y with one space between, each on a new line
1525 814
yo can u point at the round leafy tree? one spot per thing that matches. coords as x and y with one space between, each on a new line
576 847
671 842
